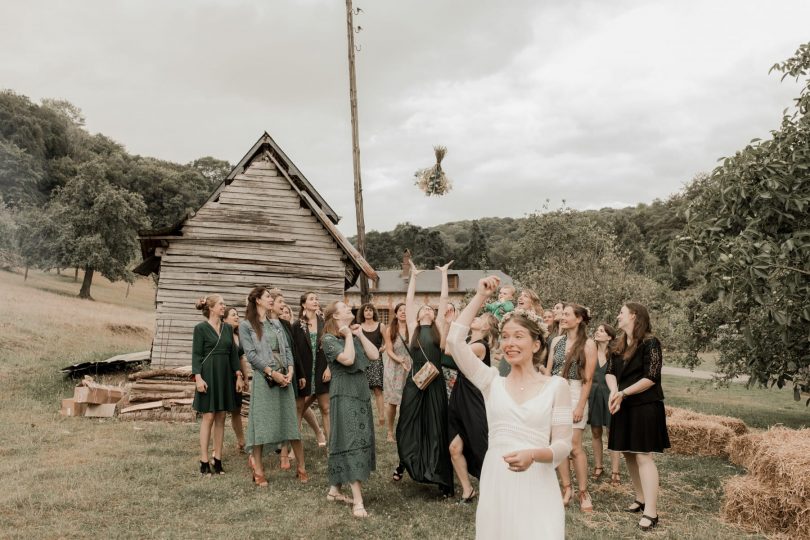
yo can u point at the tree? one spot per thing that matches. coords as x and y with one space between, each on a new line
8 236
213 170
749 223
475 255
98 224
20 175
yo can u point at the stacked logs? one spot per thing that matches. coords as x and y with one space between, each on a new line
160 394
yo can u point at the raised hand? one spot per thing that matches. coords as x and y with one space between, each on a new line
414 271
443 269
356 329
488 285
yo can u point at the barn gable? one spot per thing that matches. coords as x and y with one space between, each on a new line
264 225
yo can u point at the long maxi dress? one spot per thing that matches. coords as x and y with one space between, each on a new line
215 357
272 418
352 454
395 373
518 505
423 440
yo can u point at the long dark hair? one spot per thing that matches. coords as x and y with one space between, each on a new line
302 313
228 309
642 329
393 326
577 351
490 335
435 335
252 310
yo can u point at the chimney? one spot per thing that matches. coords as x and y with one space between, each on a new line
406 264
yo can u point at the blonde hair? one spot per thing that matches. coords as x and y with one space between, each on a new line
207 303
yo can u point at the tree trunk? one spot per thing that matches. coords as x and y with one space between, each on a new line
26 274
76 275
88 280
58 271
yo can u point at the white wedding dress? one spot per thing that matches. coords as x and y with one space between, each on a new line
518 505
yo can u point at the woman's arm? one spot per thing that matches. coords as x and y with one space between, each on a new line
587 379
411 310
457 346
652 362
346 357
371 350
444 296
389 348
550 356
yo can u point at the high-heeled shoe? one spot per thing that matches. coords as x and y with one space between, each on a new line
205 468
218 467
468 499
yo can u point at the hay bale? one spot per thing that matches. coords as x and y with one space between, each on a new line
735 424
698 437
779 457
756 506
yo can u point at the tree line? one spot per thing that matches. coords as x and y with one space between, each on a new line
72 199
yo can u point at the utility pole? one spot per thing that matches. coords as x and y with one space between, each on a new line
358 187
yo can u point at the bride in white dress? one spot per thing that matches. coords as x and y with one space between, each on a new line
530 427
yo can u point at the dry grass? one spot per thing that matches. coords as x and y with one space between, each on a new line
77 477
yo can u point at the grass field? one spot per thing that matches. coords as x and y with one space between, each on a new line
75 477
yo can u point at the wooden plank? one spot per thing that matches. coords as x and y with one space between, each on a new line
268 253
143 407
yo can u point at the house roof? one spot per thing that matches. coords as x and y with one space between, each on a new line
151 240
429 281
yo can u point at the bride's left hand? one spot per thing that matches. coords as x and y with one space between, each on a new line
519 461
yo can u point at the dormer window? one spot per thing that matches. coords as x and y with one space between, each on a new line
452 281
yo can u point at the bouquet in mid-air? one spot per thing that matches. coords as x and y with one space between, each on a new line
432 180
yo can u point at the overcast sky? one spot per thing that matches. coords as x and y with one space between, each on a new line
599 103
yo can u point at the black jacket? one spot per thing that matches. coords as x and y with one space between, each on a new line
303 352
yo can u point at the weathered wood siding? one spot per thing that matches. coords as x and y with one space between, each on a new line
291 250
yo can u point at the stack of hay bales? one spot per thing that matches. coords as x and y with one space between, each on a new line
695 434
774 497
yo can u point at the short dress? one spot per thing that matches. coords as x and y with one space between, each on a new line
640 424
310 358
574 381
394 374
374 372
598 411
352 455
215 357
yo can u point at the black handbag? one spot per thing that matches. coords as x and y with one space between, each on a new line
270 382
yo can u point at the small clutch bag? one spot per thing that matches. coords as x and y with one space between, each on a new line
425 376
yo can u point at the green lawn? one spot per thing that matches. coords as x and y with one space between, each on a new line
75 477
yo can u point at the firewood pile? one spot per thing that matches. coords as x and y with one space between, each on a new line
160 394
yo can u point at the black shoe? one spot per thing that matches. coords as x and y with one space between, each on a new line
398 472
468 500
653 522
637 506
218 467
205 468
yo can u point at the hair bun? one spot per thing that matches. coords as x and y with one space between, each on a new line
200 304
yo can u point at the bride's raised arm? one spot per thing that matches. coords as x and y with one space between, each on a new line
473 368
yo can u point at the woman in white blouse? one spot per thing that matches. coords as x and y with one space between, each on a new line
530 426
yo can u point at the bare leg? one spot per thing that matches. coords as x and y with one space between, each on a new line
615 461
219 433
298 448
358 510
648 476
460 466
565 478
238 429
596 435
309 416
205 435
378 397
581 468
258 466
323 404
390 414
632 469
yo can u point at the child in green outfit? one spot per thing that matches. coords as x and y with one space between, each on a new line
505 303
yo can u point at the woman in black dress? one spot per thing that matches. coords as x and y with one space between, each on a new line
313 383
639 424
232 319
467 413
373 329
422 432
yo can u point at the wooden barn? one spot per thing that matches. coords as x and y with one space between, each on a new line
265 224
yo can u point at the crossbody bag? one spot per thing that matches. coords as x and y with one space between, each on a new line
427 373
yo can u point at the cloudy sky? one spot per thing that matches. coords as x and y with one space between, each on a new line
598 103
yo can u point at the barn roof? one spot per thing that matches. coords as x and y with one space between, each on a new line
153 239
430 281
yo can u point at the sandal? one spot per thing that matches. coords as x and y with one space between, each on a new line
397 476
218 467
285 463
302 475
359 511
205 468
597 475
653 522
636 506
567 494
615 479
321 439
339 497
585 503
259 480
470 498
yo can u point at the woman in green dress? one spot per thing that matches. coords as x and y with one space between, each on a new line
352 454
215 366
272 417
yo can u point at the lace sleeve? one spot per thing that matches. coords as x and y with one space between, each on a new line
652 360
562 428
611 364
474 369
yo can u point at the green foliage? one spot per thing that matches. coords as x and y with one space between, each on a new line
749 223
384 249
214 170
20 175
8 236
475 255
